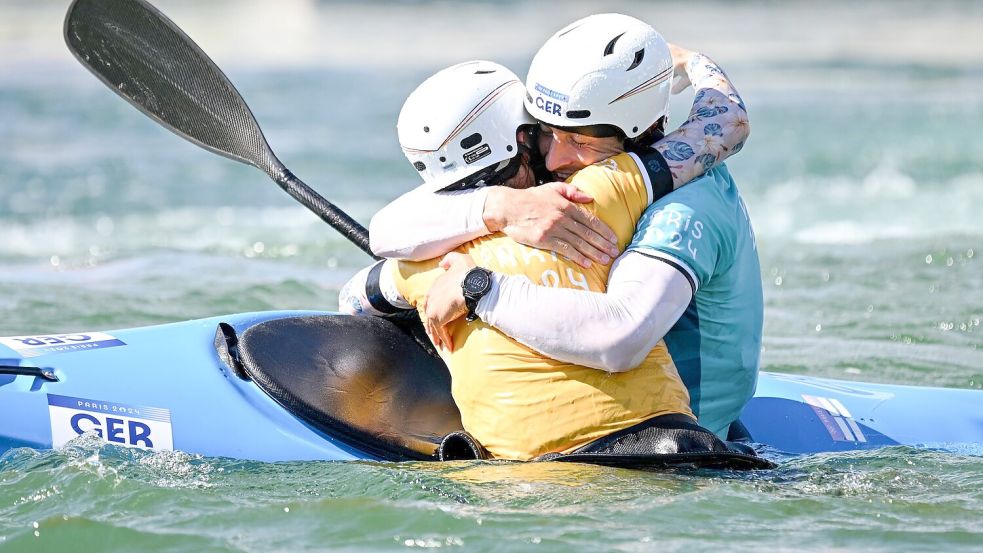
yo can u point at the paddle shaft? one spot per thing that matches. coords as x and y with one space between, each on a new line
328 212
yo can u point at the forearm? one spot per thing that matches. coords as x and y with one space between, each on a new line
716 129
422 225
611 331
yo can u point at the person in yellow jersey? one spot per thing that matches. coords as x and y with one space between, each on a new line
466 127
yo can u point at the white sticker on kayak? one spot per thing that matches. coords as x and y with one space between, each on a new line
835 417
117 423
35 346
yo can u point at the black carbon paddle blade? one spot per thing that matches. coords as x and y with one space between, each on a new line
144 57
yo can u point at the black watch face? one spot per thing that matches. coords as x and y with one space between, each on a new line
477 282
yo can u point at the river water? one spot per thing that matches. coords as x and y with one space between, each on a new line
863 176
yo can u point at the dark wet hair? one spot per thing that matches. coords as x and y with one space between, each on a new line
535 158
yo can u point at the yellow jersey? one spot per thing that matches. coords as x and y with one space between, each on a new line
519 403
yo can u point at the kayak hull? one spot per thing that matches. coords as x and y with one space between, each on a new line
165 387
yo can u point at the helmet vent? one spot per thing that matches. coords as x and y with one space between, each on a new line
470 141
609 49
579 114
639 56
419 166
484 72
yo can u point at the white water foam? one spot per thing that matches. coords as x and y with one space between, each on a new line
886 204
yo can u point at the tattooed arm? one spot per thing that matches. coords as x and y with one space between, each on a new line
717 126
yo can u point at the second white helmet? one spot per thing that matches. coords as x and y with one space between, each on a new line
603 72
458 128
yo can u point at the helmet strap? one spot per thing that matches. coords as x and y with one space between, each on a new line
503 175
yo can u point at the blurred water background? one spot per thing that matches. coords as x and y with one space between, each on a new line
863 175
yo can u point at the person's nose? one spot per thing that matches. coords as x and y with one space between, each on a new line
559 156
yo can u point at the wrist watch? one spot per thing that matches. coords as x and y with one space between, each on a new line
477 282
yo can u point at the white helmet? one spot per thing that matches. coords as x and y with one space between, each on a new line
458 128
609 69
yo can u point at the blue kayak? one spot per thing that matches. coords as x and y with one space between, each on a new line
278 386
